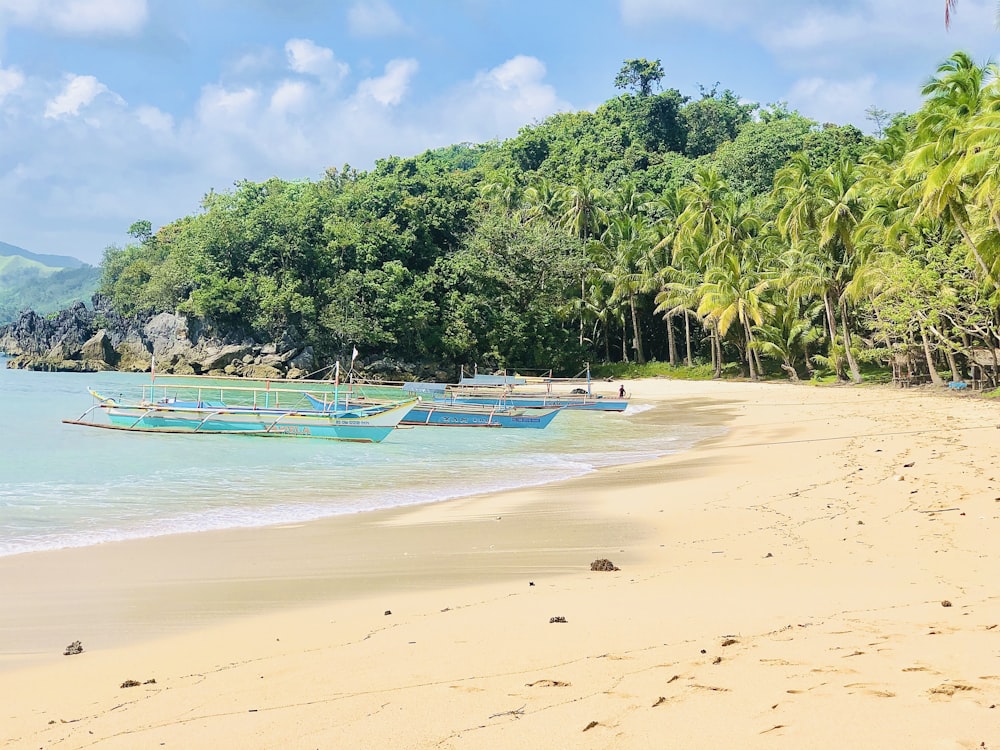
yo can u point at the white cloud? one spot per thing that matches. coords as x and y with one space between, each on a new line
305 56
289 96
78 92
499 101
834 101
374 18
154 119
77 17
515 90
252 63
390 88
83 186
219 106
11 79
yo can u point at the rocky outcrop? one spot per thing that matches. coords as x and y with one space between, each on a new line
90 340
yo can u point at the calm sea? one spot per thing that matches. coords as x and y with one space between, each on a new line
68 486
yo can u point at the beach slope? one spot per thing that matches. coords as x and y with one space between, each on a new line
824 575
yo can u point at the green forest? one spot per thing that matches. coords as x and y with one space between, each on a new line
695 231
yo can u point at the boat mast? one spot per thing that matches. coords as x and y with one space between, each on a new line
336 384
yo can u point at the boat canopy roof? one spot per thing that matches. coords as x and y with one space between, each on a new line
493 380
425 387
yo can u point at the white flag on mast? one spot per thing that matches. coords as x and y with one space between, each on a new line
354 355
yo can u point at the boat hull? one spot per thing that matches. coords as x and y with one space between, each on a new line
434 414
366 427
544 402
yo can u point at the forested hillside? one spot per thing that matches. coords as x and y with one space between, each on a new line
43 283
684 229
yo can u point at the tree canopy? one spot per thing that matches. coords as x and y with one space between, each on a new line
687 230
640 74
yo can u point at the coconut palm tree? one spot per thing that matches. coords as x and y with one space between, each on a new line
820 214
582 212
542 199
622 255
733 293
506 192
955 95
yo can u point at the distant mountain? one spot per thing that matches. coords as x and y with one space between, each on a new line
52 261
43 283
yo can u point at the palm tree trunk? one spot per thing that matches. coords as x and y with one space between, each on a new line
640 357
851 362
748 340
687 336
831 323
716 351
936 379
831 320
671 341
968 240
952 364
790 370
711 342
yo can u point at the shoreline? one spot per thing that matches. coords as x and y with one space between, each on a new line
788 574
216 486
327 558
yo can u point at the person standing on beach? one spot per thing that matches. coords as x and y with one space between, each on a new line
621 391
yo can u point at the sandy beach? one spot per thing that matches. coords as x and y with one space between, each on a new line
823 576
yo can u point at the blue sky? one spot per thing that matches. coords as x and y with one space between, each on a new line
117 110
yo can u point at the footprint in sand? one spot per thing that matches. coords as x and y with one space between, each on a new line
872 690
948 689
548 683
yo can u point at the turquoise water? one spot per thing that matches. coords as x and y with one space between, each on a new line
69 486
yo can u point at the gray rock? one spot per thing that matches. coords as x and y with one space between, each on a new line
98 348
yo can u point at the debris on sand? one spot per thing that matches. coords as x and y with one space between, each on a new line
548 683
74 648
603 564
131 683
557 619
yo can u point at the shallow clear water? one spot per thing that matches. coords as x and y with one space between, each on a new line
67 486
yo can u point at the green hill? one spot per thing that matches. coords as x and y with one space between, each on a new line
52 261
43 283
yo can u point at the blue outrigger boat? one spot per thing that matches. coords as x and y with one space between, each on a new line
440 414
193 414
432 413
507 391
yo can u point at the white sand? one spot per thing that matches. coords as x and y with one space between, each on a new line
781 587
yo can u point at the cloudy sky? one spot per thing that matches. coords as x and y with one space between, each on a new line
117 110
